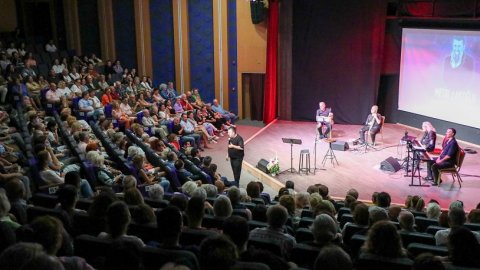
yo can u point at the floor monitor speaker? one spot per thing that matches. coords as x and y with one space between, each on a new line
262 165
340 146
390 165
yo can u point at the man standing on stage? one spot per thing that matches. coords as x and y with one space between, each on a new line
324 117
235 153
447 158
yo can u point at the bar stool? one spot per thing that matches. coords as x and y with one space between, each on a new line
304 161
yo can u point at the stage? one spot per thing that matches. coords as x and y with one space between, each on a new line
356 168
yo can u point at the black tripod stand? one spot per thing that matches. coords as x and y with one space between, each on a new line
291 142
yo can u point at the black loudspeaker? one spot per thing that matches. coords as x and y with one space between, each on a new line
258 12
340 146
262 165
390 164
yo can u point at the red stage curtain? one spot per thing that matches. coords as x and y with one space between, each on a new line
270 94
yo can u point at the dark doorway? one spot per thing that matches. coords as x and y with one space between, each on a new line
253 85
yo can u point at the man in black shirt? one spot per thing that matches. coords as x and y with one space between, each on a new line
235 153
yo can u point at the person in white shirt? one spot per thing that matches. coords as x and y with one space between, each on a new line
145 84
96 103
126 109
149 121
64 90
74 74
77 87
456 218
83 140
58 67
66 78
50 47
11 49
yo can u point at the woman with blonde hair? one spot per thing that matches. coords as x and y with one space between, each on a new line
429 136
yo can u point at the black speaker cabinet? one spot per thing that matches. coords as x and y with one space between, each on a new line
340 146
390 164
262 165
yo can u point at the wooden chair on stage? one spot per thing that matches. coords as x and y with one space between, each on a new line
455 170
380 131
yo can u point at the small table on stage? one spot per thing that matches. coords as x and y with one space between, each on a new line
330 154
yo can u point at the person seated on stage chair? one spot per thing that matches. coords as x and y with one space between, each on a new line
324 117
372 125
447 157
429 136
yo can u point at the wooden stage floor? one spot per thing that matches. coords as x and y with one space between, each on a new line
357 169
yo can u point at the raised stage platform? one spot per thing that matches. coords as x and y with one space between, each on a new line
356 169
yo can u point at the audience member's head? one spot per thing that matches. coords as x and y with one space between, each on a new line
324 229
17 255
393 212
313 189
376 214
236 228
360 214
133 196
234 195
143 214
427 261
253 189
211 190
68 197
73 178
474 216
220 186
179 200
463 247
349 200
169 224
406 221
200 193
277 216
433 210
456 217
288 202
325 207
195 212
118 219
47 231
290 184
353 192
188 187
259 212
383 199
217 252
302 200
15 190
333 257
455 204
222 207
315 199
384 240
156 192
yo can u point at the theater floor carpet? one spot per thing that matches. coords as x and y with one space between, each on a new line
355 169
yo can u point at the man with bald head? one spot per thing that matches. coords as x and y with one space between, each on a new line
229 116
324 117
